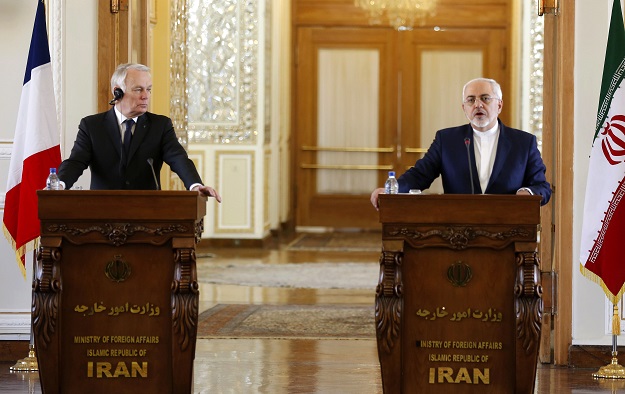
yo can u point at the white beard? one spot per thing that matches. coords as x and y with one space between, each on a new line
480 123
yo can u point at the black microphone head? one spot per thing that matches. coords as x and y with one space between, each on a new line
467 141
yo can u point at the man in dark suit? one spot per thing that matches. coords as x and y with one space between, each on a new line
503 160
124 145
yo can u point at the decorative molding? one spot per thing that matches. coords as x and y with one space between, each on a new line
268 62
536 36
56 39
388 301
528 300
458 238
227 76
46 295
117 233
6 149
15 323
248 177
178 71
185 297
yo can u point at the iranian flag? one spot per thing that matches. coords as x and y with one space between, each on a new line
602 254
36 146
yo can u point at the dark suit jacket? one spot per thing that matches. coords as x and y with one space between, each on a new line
517 164
98 146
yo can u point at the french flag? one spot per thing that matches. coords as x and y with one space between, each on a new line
36 146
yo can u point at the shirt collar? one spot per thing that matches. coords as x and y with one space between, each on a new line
121 118
488 133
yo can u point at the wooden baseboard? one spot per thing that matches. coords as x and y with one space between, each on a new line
12 351
592 356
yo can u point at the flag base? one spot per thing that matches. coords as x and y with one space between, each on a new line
28 363
611 371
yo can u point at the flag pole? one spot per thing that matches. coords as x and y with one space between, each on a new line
29 363
613 370
604 219
36 121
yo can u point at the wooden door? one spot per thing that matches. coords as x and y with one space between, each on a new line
123 32
369 101
346 123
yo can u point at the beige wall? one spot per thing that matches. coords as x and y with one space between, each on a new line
159 61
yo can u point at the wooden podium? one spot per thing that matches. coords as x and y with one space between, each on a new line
459 302
115 293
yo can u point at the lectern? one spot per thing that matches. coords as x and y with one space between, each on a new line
115 293
459 301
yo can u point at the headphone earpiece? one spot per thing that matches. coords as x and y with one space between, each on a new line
117 95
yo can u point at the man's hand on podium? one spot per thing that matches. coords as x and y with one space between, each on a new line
525 191
374 197
207 191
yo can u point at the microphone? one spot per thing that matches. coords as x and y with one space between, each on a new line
151 163
467 142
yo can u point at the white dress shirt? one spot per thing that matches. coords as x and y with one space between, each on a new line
485 148
122 127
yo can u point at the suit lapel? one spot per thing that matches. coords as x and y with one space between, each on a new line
141 130
503 147
112 129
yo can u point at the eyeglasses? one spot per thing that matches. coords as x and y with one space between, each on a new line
485 99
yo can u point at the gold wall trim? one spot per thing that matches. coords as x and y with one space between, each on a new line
178 72
219 208
415 150
345 167
346 149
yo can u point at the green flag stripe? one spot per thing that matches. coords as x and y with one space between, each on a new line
614 66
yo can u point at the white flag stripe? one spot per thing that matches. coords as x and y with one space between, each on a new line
603 180
37 98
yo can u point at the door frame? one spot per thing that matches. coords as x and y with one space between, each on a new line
558 150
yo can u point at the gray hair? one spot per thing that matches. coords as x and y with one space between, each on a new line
496 87
119 76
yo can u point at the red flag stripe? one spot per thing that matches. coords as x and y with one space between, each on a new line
36 145
20 208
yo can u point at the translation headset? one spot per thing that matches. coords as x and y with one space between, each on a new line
117 95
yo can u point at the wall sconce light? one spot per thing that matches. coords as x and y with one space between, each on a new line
548 7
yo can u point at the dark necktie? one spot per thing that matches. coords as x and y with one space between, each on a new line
128 136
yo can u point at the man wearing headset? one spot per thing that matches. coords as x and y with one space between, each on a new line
126 146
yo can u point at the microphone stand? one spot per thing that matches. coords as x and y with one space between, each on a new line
151 163
467 142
